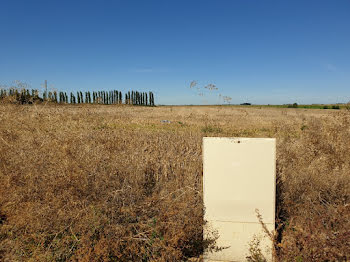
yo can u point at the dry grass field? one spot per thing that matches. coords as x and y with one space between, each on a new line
116 183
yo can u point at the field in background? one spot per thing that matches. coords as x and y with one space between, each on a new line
124 183
306 106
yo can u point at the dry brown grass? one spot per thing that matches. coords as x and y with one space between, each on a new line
114 183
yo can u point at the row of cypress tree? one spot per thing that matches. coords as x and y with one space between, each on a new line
97 97
23 96
139 98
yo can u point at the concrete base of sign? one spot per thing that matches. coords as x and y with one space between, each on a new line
239 177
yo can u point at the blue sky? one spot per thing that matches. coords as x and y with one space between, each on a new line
263 52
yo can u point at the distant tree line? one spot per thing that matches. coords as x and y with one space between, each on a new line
27 96
23 96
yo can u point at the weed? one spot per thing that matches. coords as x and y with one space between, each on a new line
211 129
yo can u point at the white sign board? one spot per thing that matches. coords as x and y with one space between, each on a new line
239 177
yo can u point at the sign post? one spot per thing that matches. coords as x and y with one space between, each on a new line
239 178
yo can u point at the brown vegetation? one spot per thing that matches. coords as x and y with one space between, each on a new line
115 183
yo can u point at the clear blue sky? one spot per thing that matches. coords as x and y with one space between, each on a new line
253 51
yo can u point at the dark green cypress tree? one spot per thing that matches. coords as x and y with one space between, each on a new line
22 97
27 95
18 95
55 96
151 100
120 97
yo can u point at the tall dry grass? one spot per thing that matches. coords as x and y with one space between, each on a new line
114 183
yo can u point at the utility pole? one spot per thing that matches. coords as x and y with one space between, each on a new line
45 95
